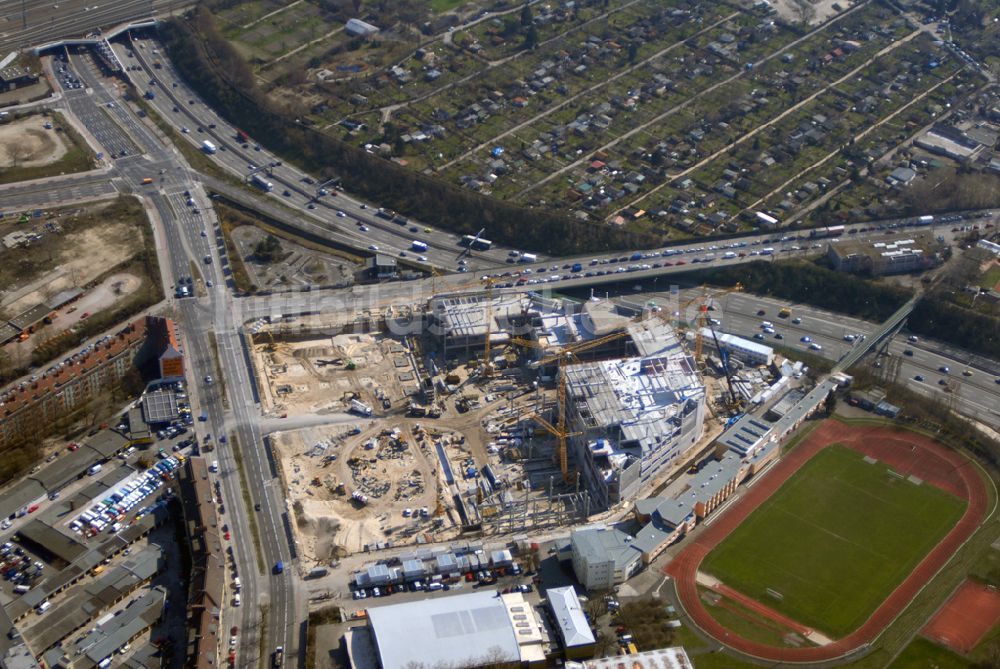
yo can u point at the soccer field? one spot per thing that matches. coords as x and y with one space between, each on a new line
834 540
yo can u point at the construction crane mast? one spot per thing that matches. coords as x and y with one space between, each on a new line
702 319
486 370
564 356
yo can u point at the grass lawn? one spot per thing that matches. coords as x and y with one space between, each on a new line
991 277
835 540
439 6
924 654
748 624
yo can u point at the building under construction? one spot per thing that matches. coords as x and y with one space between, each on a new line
635 416
462 324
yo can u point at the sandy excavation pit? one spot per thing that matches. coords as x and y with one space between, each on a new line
351 490
321 375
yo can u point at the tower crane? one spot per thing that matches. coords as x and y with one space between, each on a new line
486 370
563 357
702 322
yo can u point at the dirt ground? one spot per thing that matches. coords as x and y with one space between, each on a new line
31 274
391 466
295 266
27 143
812 12
313 376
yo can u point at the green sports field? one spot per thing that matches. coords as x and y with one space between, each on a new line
834 540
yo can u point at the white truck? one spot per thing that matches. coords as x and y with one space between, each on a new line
359 407
208 147
528 257
262 183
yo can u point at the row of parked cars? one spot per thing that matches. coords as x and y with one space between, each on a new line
111 511
18 567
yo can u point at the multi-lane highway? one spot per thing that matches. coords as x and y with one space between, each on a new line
355 223
29 23
971 385
188 238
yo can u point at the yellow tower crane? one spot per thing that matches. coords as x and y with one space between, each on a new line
486 371
701 319
563 357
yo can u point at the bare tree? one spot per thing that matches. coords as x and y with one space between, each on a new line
18 154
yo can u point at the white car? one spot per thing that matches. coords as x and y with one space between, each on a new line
341 214
373 247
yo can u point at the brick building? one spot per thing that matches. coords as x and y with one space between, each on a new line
29 407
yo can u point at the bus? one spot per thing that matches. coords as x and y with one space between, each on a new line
476 243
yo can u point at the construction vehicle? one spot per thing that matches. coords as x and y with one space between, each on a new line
784 312
564 356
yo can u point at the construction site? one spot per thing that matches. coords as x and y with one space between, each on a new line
507 412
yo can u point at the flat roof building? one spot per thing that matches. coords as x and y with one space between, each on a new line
910 254
948 142
107 639
744 437
603 557
744 350
663 658
159 406
467 630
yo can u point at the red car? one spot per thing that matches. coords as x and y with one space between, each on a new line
73 447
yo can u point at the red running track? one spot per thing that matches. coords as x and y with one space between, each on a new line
906 452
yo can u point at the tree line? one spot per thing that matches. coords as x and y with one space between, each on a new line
935 317
213 68
810 284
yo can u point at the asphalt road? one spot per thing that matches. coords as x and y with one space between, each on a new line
976 395
193 115
28 23
54 192
201 318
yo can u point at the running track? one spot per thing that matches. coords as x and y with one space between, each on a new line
907 453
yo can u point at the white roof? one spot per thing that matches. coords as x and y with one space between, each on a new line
454 631
568 615
663 658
